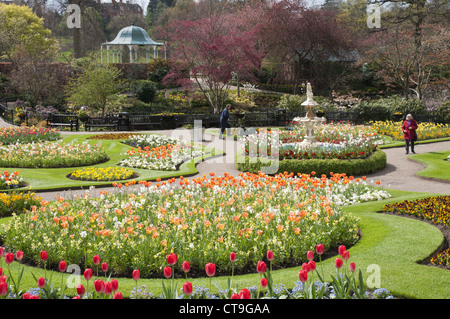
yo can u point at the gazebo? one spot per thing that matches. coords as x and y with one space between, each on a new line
134 38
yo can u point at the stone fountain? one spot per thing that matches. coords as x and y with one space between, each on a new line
310 121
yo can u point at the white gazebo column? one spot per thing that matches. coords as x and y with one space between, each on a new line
101 53
131 53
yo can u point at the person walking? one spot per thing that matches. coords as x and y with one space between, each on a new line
409 128
224 116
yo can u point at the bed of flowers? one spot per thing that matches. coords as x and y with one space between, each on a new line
9 180
14 135
111 136
51 155
425 131
203 219
434 209
17 202
158 152
98 174
335 141
347 283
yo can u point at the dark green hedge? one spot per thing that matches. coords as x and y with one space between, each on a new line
355 167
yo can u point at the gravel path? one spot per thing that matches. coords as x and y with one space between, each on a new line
399 173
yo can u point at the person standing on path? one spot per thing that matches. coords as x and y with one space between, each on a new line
409 128
224 116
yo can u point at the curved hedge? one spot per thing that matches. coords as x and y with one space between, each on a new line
373 163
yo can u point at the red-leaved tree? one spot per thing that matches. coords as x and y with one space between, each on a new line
211 49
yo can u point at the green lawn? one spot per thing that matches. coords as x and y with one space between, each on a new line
56 178
396 245
437 165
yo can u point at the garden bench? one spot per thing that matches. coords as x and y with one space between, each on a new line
55 120
145 121
109 122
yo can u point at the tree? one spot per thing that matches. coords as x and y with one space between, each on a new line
94 86
297 38
22 30
212 49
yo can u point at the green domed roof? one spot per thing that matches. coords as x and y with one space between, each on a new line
133 35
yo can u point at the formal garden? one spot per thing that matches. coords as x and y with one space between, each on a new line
116 181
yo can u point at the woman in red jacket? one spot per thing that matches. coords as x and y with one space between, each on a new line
409 128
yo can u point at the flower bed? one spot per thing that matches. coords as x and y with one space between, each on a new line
17 202
51 155
21 135
159 152
10 180
433 209
425 131
98 174
111 136
201 219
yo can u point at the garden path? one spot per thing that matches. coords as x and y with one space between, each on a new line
399 173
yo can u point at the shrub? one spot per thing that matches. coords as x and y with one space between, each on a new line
144 90
443 113
373 163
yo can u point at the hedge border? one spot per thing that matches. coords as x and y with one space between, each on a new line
375 162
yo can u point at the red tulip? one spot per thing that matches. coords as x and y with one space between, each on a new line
9 258
2 252
261 267
305 267
117 295
245 294
312 265
3 288
345 255
270 255
210 269
99 285
76 297
104 267
233 257
62 266
171 259
19 255
167 271
3 278
264 282
235 296
44 255
1 272
320 249
352 267
26 295
136 274
338 263
187 288
96 259
35 297
108 288
88 274
114 284
303 275
310 255
80 290
185 266
41 282
341 249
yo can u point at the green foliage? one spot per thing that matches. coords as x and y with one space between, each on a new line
143 90
94 86
291 102
443 112
158 69
373 163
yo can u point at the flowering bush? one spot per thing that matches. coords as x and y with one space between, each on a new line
51 154
20 135
159 152
10 180
98 174
340 141
425 131
203 219
17 202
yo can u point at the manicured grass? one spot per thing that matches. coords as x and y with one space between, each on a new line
396 143
395 244
56 178
436 163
